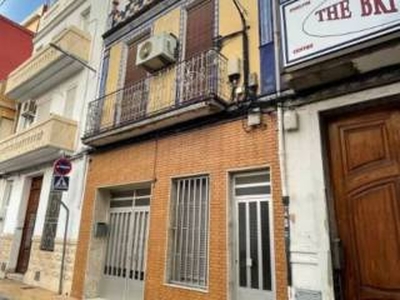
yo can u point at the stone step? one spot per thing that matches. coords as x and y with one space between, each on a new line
15 276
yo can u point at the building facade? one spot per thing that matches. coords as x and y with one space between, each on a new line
20 47
50 89
340 61
183 195
19 40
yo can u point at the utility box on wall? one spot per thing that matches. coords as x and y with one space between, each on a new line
101 229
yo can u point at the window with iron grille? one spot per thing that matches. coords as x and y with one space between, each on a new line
188 256
51 222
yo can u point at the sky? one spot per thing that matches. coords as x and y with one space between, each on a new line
18 10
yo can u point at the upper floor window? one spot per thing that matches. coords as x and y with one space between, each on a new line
85 20
70 100
104 73
266 26
199 28
28 114
134 73
43 110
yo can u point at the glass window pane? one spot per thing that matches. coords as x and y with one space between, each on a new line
253 179
121 203
266 27
122 194
258 190
266 252
142 202
242 245
253 222
143 192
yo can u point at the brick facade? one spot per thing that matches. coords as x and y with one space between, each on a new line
6 241
215 150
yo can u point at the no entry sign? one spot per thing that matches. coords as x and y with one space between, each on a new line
62 167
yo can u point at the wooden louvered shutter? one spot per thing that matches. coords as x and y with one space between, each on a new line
134 73
200 28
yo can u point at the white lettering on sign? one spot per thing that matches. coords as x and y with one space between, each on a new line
312 28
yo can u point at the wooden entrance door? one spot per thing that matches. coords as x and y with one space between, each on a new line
365 172
29 225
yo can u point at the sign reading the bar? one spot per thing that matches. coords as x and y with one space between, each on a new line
312 28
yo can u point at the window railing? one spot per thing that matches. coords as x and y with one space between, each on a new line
195 80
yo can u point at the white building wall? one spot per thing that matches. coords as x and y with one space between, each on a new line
310 244
86 82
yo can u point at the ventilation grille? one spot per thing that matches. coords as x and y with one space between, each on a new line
37 276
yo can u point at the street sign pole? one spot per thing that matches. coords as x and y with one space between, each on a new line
60 286
62 167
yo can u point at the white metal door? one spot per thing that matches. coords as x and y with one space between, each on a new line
253 264
125 261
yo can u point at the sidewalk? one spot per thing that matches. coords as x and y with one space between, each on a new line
13 290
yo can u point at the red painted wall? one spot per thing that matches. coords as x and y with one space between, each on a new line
15 46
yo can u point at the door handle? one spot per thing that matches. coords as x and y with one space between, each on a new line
338 254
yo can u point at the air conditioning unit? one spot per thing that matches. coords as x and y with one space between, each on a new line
156 52
28 109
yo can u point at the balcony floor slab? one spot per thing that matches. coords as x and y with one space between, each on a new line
150 124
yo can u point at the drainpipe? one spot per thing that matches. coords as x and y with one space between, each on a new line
245 49
281 140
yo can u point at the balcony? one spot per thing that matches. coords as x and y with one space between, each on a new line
188 90
49 66
57 8
38 144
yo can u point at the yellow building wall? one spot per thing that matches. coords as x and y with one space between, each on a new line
7 106
107 117
162 89
229 21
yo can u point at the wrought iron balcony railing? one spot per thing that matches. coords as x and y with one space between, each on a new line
201 78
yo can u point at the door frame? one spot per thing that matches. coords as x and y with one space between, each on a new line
21 222
5 202
232 226
325 118
107 198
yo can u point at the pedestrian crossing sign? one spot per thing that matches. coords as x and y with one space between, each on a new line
60 183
